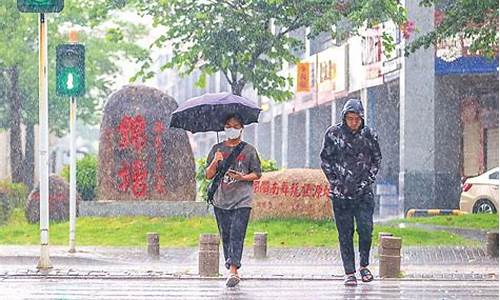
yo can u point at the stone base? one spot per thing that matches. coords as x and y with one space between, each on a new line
144 208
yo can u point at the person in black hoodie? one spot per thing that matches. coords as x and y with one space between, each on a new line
350 159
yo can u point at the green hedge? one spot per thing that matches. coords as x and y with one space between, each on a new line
12 195
201 181
5 208
86 177
268 165
16 192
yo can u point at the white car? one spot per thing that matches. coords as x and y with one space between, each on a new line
480 194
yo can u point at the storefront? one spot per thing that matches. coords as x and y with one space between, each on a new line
479 118
472 81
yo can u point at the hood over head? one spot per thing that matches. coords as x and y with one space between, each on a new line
354 106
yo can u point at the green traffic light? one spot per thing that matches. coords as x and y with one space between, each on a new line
69 81
70 70
40 6
69 84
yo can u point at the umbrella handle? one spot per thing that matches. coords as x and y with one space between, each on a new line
217 137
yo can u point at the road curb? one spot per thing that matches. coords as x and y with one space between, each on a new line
434 212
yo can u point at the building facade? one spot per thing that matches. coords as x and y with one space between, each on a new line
436 114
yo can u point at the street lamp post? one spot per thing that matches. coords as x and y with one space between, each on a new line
44 262
42 7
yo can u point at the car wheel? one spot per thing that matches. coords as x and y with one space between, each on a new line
484 206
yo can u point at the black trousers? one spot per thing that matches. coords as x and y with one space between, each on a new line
232 225
346 212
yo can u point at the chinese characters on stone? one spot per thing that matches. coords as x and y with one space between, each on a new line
290 189
133 174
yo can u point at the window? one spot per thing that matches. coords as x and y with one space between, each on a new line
494 175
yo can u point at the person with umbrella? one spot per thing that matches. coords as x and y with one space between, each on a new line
232 165
233 198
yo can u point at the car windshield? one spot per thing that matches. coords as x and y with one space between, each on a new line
494 175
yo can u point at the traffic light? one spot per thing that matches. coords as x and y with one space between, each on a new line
40 6
70 70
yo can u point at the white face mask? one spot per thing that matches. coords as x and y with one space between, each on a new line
232 133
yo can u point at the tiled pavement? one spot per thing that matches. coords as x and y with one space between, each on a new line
438 263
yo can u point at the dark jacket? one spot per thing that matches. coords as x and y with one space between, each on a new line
350 160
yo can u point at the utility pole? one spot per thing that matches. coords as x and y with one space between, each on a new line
44 262
70 81
73 39
41 8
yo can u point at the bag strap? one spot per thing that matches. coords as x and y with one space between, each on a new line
223 168
226 163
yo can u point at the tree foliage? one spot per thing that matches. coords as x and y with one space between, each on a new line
249 41
474 21
109 42
105 50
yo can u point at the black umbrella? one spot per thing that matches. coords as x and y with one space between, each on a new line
209 112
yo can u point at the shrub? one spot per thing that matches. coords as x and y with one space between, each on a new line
17 193
58 201
268 165
5 208
86 177
201 181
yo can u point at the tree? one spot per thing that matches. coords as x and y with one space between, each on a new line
476 21
248 41
19 70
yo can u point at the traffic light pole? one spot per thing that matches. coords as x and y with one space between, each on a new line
73 39
44 261
72 174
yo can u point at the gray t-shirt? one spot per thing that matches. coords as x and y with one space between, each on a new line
233 194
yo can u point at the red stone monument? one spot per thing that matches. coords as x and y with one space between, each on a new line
140 157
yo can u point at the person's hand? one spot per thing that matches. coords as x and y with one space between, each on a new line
235 175
360 190
340 191
218 157
350 183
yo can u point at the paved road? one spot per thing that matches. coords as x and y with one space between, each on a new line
250 289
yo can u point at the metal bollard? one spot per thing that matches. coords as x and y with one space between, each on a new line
380 235
208 255
153 245
390 257
492 243
260 244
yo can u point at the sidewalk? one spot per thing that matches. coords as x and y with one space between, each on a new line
436 263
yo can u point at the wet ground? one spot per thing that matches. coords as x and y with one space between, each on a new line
248 289
438 263
287 273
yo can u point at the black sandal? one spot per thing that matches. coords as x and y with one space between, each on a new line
350 280
366 275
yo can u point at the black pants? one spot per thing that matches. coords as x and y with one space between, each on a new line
232 225
346 211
